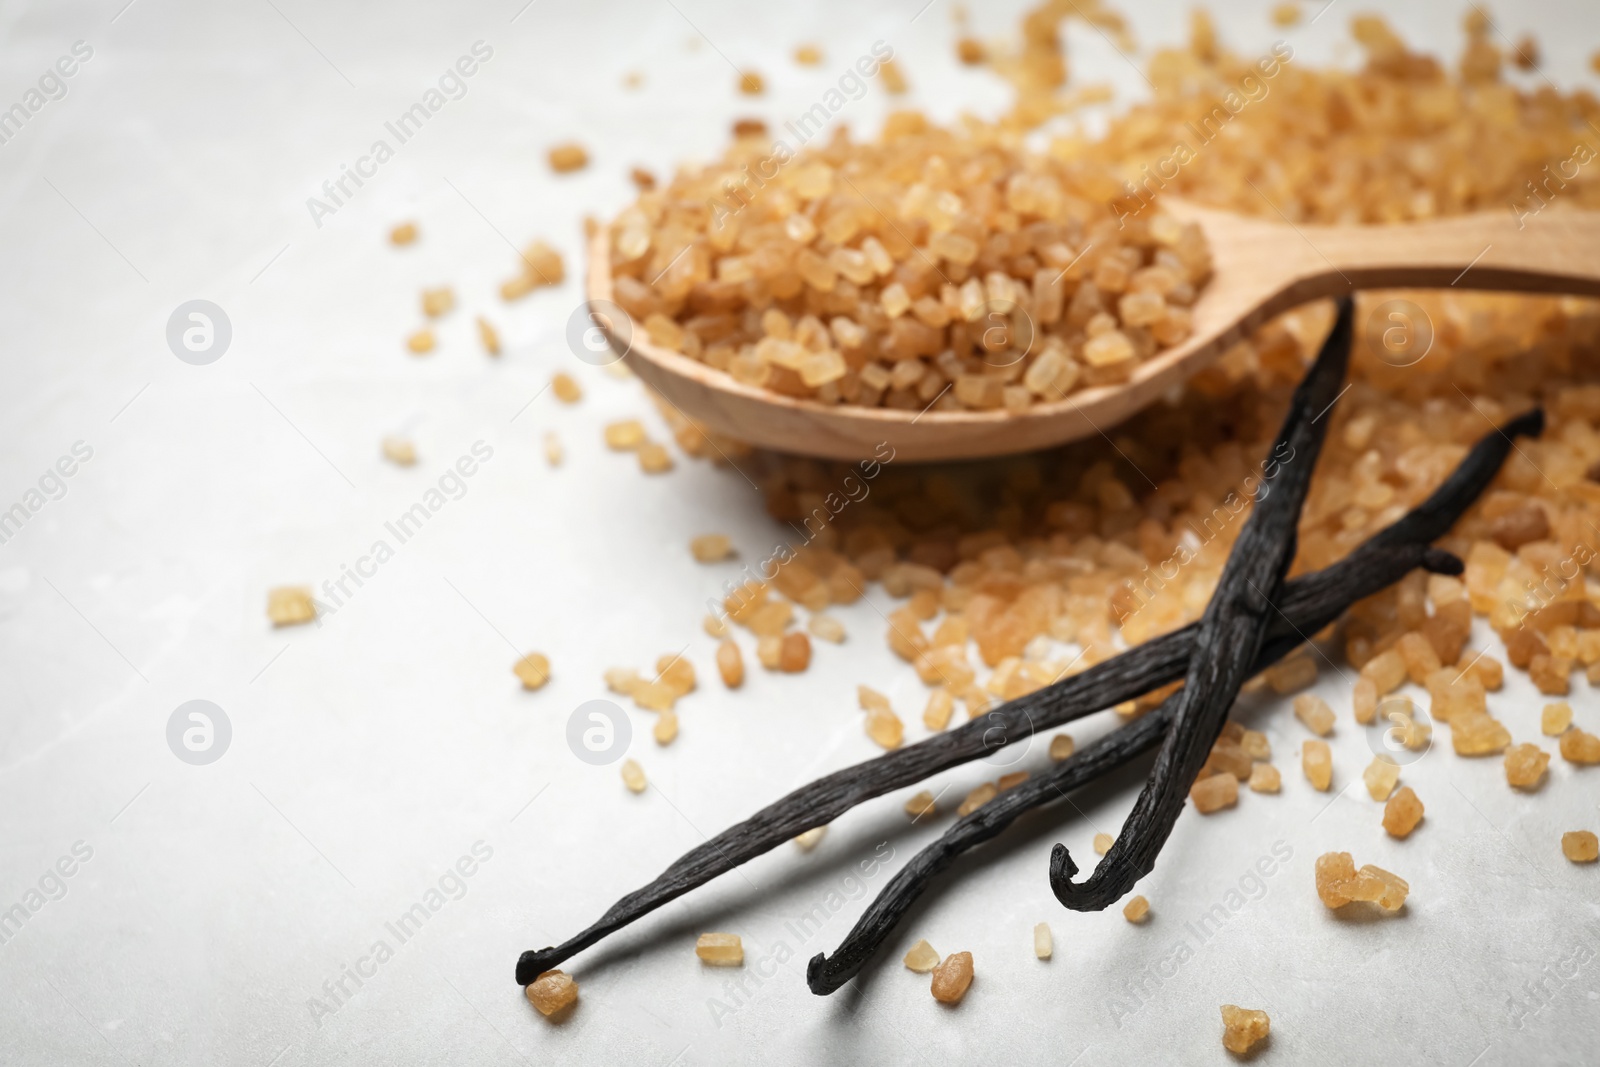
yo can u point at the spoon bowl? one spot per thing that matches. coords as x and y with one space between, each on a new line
1260 269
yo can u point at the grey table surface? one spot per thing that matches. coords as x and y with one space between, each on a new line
233 912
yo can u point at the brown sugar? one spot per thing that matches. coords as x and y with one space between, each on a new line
291 605
1555 719
565 158
921 804
795 653
1339 883
921 957
1526 765
1478 735
1580 846
1243 1028
1316 760
552 992
1579 746
1402 813
1314 712
730 663
885 728
720 950
1380 776
1214 793
977 798
1265 778
533 669
952 978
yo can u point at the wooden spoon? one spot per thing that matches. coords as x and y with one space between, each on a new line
1261 269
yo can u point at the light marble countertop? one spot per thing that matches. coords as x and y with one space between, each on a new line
211 911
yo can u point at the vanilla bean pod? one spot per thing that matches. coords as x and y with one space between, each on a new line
1379 562
1308 603
1232 632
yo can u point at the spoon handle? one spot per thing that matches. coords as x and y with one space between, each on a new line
1556 251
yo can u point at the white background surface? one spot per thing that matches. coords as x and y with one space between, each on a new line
371 752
